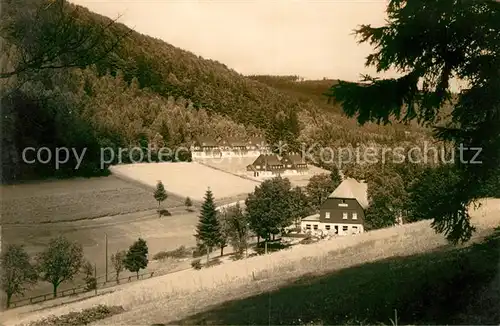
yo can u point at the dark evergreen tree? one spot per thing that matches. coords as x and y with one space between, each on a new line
431 42
137 257
160 195
208 231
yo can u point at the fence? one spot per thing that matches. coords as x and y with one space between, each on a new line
112 281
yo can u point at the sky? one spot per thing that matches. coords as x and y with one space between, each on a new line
309 38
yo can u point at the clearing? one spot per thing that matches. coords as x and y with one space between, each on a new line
394 268
186 179
75 199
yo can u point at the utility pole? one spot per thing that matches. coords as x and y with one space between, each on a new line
106 244
95 275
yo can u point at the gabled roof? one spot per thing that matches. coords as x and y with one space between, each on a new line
272 159
296 158
312 218
351 188
205 141
264 159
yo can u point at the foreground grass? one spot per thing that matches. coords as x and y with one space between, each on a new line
350 293
83 317
440 287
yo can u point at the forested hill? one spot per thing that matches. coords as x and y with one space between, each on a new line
144 90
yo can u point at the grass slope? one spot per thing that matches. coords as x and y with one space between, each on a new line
409 268
430 288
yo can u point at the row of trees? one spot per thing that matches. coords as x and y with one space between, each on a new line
60 262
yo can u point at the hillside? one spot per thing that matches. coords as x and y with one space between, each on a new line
394 268
147 91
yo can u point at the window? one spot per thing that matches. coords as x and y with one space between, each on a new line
327 215
354 216
308 226
343 201
344 216
257 166
315 226
345 228
327 227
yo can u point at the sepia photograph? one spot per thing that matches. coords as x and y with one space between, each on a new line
250 162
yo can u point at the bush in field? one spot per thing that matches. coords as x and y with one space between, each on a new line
196 264
213 262
60 262
83 317
181 252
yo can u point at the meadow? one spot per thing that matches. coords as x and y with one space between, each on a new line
186 179
85 211
76 199
350 279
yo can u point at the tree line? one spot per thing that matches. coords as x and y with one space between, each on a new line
79 80
60 262
272 207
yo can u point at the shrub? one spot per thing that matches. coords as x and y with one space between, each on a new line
308 240
200 251
237 256
164 212
90 283
213 262
196 264
83 317
181 252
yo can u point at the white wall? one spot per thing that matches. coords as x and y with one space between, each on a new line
322 227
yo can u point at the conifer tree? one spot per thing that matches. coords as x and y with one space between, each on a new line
188 203
160 194
208 228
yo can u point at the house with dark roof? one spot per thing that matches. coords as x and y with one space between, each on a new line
295 163
204 147
233 146
343 212
266 165
258 144
270 165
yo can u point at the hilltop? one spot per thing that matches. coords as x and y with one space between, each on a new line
149 91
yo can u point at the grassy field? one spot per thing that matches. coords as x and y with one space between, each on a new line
77 199
350 279
84 210
187 179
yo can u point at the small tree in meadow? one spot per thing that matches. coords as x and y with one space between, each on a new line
60 262
160 194
118 262
188 203
16 271
137 257
90 279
